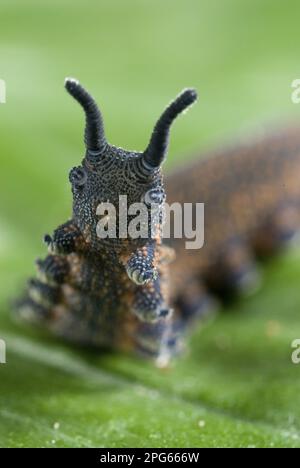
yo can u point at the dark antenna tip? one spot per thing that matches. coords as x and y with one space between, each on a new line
184 100
189 95
71 83
70 80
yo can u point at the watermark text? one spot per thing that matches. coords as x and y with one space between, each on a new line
296 353
2 92
142 220
2 352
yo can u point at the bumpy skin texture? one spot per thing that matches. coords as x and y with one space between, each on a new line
120 293
109 292
252 209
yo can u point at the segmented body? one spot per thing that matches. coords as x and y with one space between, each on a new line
121 293
252 208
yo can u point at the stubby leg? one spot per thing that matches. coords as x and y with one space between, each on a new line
278 231
43 294
53 269
155 341
194 303
165 338
192 306
30 311
140 266
148 303
234 271
66 239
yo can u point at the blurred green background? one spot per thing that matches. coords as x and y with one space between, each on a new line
237 387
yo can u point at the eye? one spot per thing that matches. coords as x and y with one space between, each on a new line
78 177
154 196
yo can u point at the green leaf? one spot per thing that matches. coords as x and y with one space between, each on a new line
236 386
